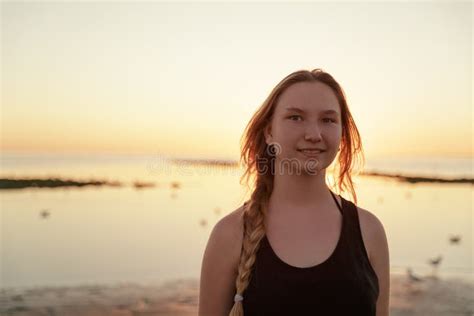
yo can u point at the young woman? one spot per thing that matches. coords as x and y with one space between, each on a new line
295 247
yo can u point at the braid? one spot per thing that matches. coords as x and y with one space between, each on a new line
254 230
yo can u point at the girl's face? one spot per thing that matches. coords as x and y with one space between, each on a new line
306 126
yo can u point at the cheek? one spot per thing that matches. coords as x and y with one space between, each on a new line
287 143
333 135
286 136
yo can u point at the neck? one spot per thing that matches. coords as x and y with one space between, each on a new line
300 192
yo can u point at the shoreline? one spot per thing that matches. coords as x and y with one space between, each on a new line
433 296
43 183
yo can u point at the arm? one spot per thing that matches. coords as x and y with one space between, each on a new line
219 266
376 240
381 263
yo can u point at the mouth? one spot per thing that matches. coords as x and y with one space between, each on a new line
311 152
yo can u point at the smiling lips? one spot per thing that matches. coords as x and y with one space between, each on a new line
311 152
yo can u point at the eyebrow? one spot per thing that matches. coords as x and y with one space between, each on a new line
295 109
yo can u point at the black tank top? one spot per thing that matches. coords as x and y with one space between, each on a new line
344 284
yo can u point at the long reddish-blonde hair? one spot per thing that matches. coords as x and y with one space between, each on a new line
258 162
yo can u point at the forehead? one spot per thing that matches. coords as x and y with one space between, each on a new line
308 96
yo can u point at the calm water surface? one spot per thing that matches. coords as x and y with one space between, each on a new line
110 235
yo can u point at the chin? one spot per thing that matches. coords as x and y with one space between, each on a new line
311 166
311 171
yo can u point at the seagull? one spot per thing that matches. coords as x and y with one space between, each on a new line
412 277
44 213
436 261
455 239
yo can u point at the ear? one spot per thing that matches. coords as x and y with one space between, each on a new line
267 131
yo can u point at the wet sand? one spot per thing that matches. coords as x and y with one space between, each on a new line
432 296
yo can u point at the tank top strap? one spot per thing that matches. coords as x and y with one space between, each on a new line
353 224
337 202
354 232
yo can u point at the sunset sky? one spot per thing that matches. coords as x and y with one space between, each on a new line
184 78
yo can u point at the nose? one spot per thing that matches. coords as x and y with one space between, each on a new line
313 133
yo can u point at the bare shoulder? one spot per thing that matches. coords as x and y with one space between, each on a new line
375 240
230 227
372 229
219 267
227 236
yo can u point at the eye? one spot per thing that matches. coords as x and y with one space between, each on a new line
295 117
328 120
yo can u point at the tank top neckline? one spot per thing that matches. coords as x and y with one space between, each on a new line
331 256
